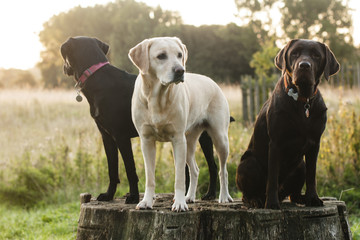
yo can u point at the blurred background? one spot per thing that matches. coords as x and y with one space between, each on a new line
50 148
222 36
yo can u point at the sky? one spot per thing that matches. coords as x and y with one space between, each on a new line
22 20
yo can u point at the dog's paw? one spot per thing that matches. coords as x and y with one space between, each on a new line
297 198
272 205
253 202
132 199
313 201
190 199
144 205
105 197
225 198
179 206
209 196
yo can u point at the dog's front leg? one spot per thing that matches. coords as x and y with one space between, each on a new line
311 196
179 146
272 198
148 148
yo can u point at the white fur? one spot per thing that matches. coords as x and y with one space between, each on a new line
176 113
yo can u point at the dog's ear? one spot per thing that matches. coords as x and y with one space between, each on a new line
185 54
280 59
139 56
103 46
332 66
184 50
64 49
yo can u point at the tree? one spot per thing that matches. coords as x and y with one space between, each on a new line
91 21
25 79
328 21
220 52
16 78
257 15
133 22
263 61
240 44
121 24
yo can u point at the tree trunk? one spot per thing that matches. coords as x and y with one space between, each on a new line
211 220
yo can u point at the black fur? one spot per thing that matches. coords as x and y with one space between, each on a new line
273 166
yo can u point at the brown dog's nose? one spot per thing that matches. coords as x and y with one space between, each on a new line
304 65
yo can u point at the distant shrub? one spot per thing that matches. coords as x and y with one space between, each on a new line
339 157
29 185
51 178
17 78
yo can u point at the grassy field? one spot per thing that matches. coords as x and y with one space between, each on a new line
51 150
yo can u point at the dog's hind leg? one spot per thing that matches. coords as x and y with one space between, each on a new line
112 159
207 148
221 142
191 139
251 181
293 185
124 146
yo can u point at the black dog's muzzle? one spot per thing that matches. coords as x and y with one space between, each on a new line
68 69
305 65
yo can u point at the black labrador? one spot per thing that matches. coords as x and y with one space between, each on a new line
109 91
288 127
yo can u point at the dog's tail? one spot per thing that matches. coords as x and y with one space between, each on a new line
232 119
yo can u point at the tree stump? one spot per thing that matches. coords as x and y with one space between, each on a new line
212 220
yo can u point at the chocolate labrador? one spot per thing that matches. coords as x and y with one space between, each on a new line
109 91
288 128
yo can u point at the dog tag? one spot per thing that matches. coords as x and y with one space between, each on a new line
78 89
79 98
307 106
307 114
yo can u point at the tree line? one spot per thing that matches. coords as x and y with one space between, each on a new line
221 52
224 53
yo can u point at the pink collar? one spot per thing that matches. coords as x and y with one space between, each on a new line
90 71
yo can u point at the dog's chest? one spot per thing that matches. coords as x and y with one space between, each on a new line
162 124
159 132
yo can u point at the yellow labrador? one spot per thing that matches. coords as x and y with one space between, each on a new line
164 110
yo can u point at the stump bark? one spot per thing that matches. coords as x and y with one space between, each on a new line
212 220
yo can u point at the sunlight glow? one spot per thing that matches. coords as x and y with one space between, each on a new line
21 21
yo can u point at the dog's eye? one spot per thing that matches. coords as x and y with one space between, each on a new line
179 55
294 54
315 55
162 56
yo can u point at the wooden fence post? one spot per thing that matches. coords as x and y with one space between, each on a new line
252 104
264 88
244 99
257 98
358 74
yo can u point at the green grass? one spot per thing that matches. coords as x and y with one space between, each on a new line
51 151
50 222
355 227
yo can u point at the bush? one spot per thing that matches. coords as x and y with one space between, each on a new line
338 162
51 178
